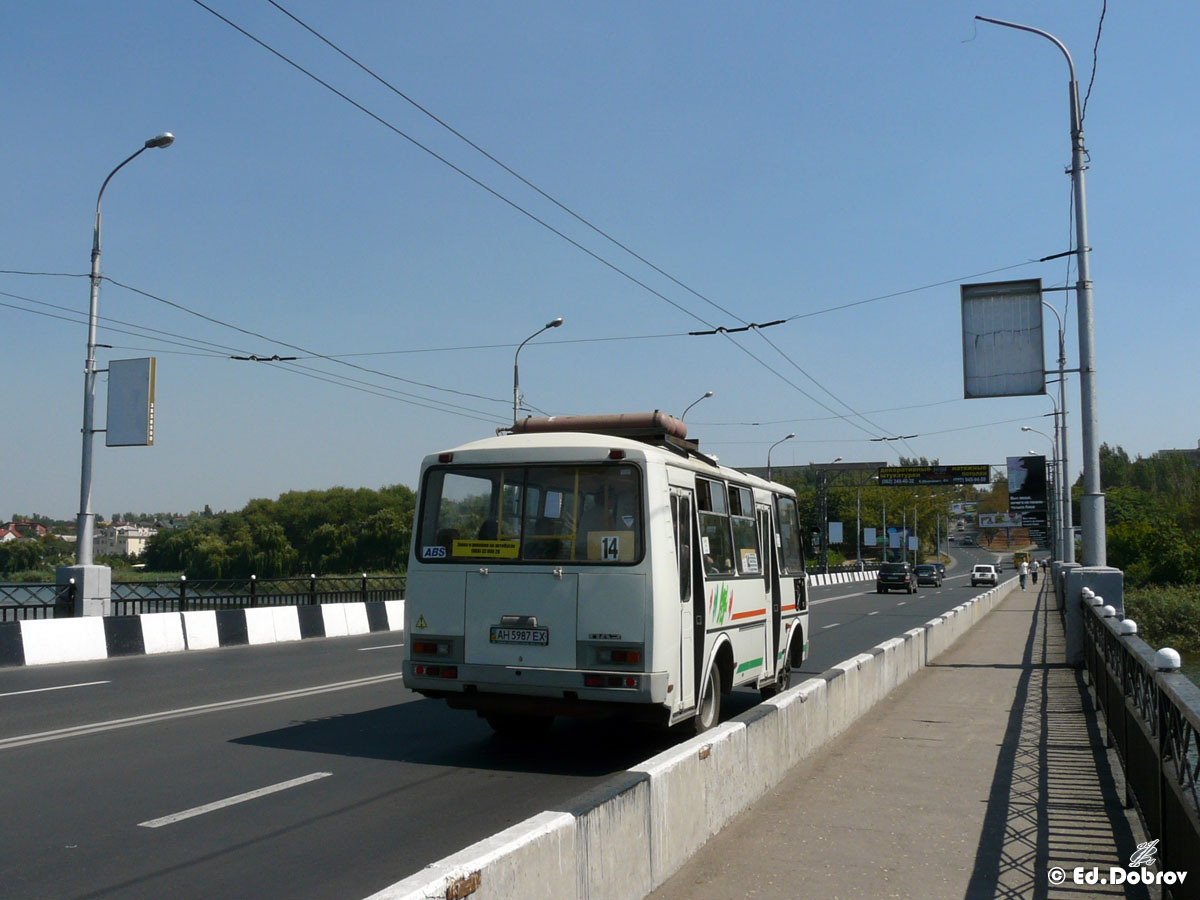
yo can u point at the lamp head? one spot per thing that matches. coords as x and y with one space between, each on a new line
707 394
790 436
838 460
555 323
1026 428
166 139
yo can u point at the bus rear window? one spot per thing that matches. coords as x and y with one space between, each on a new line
581 514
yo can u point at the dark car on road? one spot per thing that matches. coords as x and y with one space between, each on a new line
895 576
928 574
941 567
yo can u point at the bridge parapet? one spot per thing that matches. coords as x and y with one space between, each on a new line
1152 720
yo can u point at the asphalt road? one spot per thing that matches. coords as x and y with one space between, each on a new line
305 770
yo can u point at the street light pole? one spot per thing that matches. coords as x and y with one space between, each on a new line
772 447
1095 551
516 375
1066 524
825 516
85 521
706 395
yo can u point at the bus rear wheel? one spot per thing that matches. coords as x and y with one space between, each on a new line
783 680
709 712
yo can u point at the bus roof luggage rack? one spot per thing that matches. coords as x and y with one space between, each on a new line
655 427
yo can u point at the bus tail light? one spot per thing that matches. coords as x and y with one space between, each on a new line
619 656
431 648
435 671
610 681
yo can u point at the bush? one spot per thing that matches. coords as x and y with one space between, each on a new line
1166 616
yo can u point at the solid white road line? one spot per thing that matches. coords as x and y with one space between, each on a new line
57 687
230 801
380 647
113 724
834 625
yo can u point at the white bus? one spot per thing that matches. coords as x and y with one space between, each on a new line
600 565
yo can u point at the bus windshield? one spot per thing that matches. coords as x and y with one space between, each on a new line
578 513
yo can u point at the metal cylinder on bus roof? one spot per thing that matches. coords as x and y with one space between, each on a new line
615 424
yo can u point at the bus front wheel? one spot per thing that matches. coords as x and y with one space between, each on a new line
709 712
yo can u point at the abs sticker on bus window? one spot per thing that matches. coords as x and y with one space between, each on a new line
433 552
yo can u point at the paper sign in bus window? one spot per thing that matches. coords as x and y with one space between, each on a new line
485 549
750 561
610 546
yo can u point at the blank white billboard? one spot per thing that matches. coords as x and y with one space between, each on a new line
1003 354
130 403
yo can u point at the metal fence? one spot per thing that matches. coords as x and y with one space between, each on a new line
41 601
36 601
1152 719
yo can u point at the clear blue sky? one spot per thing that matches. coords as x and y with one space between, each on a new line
779 159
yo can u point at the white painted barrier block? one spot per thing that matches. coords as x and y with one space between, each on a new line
200 629
356 618
534 859
395 614
162 632
287 623
333 615
63 640
260 625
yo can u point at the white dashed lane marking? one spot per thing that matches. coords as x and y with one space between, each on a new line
231 801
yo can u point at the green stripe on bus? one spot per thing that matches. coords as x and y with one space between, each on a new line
750 664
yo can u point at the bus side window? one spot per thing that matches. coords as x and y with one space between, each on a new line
681 518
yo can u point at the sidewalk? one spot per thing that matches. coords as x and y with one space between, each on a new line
971 780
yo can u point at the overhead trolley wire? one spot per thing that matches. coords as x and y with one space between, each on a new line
211 351
510 202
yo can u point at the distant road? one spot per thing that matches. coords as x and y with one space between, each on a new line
305 771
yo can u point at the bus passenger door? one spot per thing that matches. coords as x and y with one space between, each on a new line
770 573
689 650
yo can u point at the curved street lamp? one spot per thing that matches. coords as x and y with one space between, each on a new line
516 377
707 394
1091 504
772 447
84 523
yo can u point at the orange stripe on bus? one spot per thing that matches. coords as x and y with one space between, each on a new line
748 613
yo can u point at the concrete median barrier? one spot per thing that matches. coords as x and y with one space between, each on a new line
630 835
33 642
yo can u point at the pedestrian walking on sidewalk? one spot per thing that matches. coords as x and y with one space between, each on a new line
1024 573
1034 572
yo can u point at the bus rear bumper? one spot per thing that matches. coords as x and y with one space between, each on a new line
492 688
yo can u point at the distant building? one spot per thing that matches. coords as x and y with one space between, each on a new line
1194 455
21 531
122 540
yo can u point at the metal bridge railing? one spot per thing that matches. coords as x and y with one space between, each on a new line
1152 719
36 601
43 601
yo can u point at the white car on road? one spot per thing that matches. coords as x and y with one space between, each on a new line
984 574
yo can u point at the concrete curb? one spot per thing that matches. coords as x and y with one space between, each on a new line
625 838
35 642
